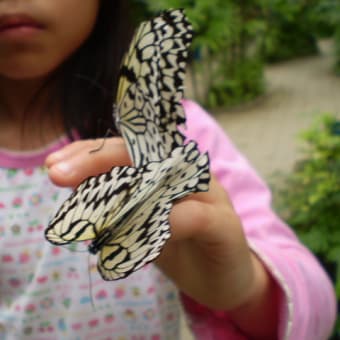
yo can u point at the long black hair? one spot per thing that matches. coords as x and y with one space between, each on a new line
87 80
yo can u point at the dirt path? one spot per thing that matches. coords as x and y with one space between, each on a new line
266 131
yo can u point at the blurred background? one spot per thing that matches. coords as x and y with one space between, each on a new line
269 72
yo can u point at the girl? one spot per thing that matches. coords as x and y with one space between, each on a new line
238 270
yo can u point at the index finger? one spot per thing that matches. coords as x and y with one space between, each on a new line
81 159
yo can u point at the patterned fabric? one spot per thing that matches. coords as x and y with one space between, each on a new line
47 292
51 292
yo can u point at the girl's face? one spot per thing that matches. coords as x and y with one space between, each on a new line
36 36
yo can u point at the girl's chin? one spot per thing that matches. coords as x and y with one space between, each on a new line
20 72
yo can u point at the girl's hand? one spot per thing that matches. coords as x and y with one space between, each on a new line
207 256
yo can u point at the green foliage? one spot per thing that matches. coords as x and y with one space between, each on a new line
313 192
310 199
242 83
291 29
323 17
328 12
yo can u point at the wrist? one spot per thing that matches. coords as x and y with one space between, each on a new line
257 317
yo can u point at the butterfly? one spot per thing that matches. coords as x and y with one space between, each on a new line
124 213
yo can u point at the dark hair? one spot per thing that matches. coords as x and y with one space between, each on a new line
88 79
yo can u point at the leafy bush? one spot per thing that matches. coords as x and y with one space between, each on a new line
243 83
328 13
291 29
310 199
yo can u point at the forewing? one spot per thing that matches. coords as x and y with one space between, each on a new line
94 205
175 33
153 73
140 127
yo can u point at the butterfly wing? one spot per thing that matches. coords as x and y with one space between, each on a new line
139 241
140 126
93 206
145 228
176 33
188 172
151 87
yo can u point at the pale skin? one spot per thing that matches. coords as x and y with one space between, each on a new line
207 256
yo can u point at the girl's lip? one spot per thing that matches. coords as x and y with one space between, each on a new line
14 21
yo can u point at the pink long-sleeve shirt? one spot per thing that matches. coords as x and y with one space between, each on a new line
46 291
307 306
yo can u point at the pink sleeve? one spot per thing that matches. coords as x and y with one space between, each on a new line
307 307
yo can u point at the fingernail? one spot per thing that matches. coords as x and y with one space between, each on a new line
53 158
64 168
56 156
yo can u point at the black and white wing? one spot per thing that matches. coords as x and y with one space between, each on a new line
141 235
148 109
93 206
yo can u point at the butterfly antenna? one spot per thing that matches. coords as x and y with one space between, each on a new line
91 285
116 118
93 82
73 248
108 133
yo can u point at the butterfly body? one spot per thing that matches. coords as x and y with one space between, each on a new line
124 213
